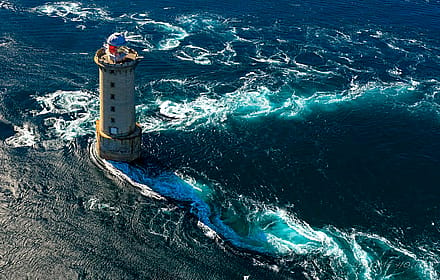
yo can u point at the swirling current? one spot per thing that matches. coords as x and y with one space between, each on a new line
282 140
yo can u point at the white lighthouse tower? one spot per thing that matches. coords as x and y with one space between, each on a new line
117 133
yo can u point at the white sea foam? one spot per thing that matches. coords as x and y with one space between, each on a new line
144 189
364 254
71 11
140 23
395 71
123 174
185 115
7 5
204 22
203 56
171 35
24 137
403 257
208 231
6 41
253 100
228 55
69 114
139 41
278 57
97 205
256 96
195 54
219 29
288 235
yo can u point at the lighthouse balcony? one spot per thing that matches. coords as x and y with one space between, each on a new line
127 58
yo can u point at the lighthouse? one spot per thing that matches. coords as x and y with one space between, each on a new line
118 136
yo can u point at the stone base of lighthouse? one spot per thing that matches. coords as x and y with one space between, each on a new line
119 148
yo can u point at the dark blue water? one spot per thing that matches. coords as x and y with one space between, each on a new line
282 140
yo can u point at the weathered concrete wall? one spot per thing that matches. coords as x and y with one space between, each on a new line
116 94
119 149
118 136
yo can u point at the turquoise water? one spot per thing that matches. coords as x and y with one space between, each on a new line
282 140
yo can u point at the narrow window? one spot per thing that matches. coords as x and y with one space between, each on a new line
112 84
112 71
113 130
112 120
112 108
112 96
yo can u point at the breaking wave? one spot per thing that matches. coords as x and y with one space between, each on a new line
277 232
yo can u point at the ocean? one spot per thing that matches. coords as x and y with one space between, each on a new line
281 140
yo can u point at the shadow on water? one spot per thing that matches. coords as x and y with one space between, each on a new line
272 232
